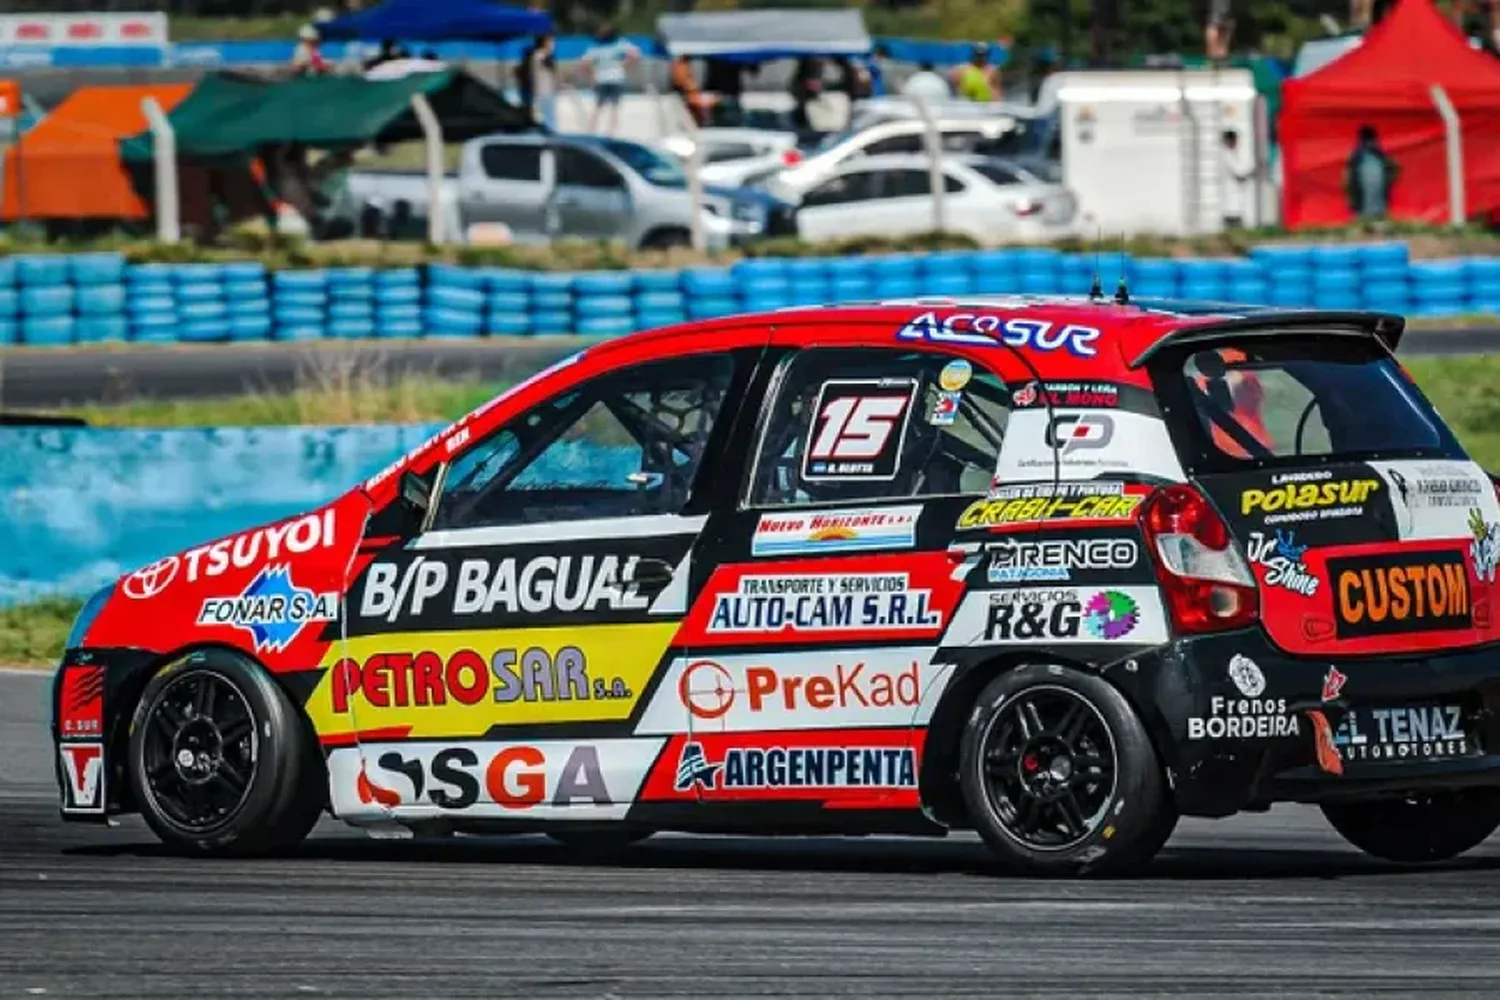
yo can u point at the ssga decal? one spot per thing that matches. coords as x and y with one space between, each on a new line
1054 561
835 531
1290 498
83 773
859 429
1281 558
824 602
1016 331
1428 732
81 703
1400 593
1012 505
1485 548
263 545
457 684
272 609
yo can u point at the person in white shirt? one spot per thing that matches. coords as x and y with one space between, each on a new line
928 84
609 61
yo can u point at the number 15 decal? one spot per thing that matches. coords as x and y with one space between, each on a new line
858 429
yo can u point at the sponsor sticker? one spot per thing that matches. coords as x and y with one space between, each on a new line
955 375
987 329
945 409
1280 557
1290 498
859 430
1249 718
1408 733
768 604
1399 593
1055 561
148 581
83 777
1484 549
272 609
1333 683
1247 676
80 703
260 546
810 532
1068 615
1060 502
1086 443
1090 395
1448 485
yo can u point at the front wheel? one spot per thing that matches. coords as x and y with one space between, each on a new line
1418 828
221 761
1059 775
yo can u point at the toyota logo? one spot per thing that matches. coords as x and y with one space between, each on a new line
151 580
706 689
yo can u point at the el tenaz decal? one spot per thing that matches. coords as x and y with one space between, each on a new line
858 429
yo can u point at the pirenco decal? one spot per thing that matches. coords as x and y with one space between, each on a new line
459 684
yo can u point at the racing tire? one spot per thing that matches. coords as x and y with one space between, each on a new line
221 761
1418 829
1059 776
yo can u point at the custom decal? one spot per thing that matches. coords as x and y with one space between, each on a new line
1333 683
1074 503
1399 593
859 430
457 684
80 703
272 609
849 769
1280 559
83 777
1426 732
805 690
1081 444
809 532
985 329
1057 560
1309 496
1244 719
1247 676
945 408
1059 615
594 780
1090 395
1484 549
955 375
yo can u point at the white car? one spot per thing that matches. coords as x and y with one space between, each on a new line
991 200
731 156
958 135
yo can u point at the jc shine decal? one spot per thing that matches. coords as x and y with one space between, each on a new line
1485 547
835 531
1059 615
272 609
1400 593
1308 496
1016 331
460 684
1281 558
858 430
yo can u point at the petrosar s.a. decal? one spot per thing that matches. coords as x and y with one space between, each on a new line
463 684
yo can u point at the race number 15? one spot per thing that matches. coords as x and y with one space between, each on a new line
858 429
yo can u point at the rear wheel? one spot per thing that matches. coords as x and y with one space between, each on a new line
1421 828
221 761
1059 776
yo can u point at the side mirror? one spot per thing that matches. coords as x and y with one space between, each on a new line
416 494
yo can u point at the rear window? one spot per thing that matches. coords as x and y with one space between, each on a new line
1308 399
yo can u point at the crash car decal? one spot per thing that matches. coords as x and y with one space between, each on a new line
858 430
811 689
830 531
1059 615
1015 506
551 780
1083 444
845 769
465 684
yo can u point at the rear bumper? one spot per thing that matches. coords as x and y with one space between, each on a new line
1226 751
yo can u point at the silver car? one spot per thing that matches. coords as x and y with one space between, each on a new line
731 156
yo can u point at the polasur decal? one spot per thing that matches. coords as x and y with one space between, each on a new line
1288 499
1484 549
823 602
796 767
1055 561
1416 732
271 608
1281 558
1400 593
984 329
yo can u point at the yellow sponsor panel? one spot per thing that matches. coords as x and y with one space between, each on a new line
1308 496
462 683
990 513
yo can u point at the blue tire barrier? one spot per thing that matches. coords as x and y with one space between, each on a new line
605 326
672 300
546 282
710 306
198 290
551 301
759 267
449 298
603 283
449 276
249 327
243 270
241 290
101 300
1396 255
442 321
10 302
101 329
149 273
96 268
508 302
707 282
899 287
344 277
411 313
398 294
398 329
764 285
203 309
288 331
298 316
602 305
1336 258
659 281
896 267
552 321
47 331
654 318
10 331
195 274
753 303
351 311
841 268
505 323
7 272
352 329
150 290
851 288
503 279
205 330
41 270
388 277
299 281
44 301
312 298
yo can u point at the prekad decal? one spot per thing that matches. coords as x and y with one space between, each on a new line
456 684
1072 502
83 774
1281 559
858 430
1400 593
803 690
1055 561
263 545
808 532
1064 615
1429 732
592 780
766 605
272 609
80 704
1017 331
1484 549
1308 496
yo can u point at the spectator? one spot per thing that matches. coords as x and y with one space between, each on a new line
608 61
807 86
724 83
1218 34
977 80
928 84
1369 176
537 79
853 79
307 57
1235 184
685 85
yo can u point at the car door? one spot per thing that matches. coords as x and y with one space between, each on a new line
513 188
834 208
493 661
592 197
818 646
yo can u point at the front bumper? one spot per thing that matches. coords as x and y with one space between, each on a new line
1229 747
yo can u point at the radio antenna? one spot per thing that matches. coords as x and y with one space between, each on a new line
1122 293
1096 290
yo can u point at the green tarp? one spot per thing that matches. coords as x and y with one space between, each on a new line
231 117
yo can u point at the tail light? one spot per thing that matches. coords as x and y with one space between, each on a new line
1206 581
791 157
1025 207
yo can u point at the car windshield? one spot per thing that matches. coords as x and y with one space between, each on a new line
658 168
1326 398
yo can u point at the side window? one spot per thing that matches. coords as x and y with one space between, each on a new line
952 184
843 188
626 444
729 151
868 424
511 163
583 169
910 143
961 141
907 184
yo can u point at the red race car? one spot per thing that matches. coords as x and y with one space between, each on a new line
1058 571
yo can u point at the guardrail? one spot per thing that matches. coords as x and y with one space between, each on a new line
85 298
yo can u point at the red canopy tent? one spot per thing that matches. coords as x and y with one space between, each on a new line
1387 82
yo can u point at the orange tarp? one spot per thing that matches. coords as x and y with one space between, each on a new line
68 166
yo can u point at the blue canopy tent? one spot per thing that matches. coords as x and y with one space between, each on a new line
437 21
763 35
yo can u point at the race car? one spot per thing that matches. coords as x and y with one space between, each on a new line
1058 571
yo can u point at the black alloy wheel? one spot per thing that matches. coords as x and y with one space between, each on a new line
199 750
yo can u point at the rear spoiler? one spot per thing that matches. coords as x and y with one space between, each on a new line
1385 327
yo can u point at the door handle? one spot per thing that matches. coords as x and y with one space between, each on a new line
649 572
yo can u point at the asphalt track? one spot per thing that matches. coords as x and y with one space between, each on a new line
1272 906
33 378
